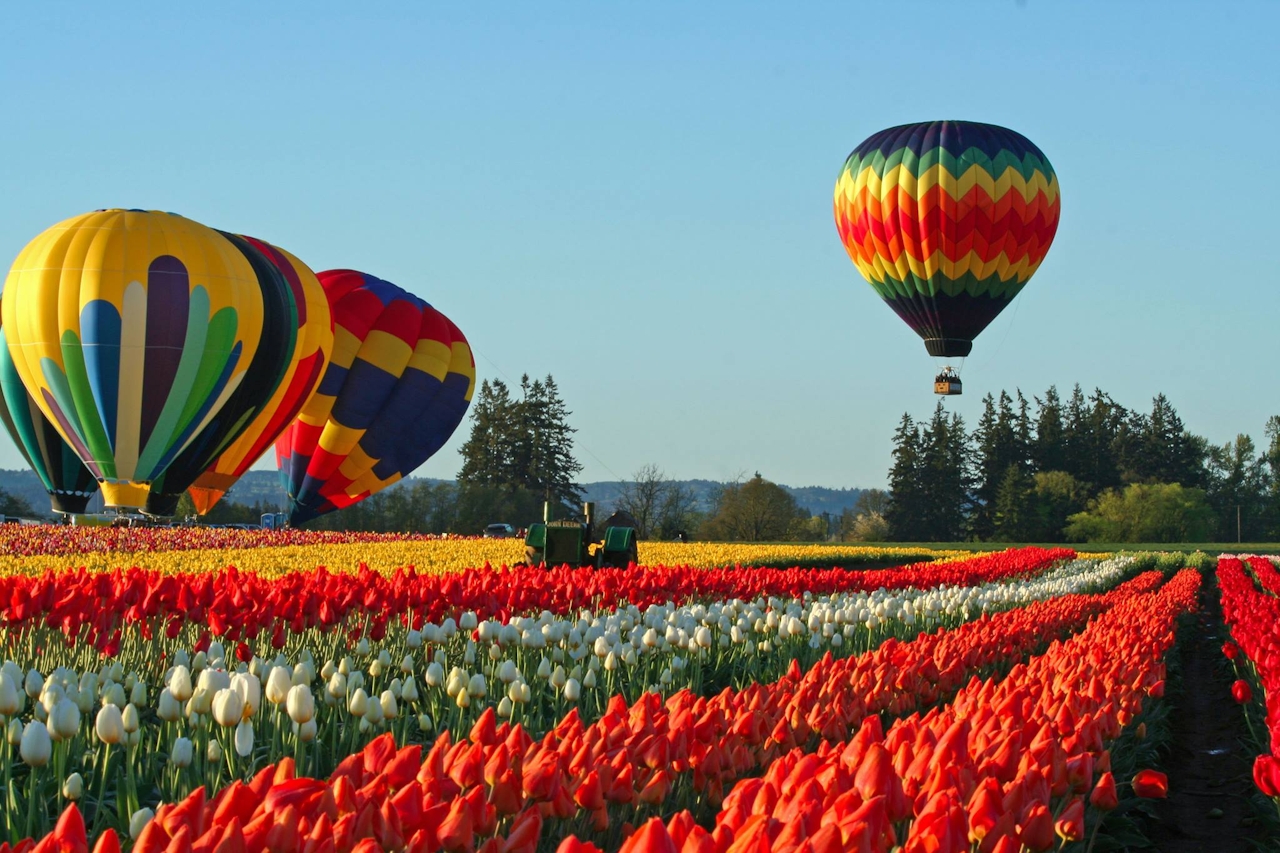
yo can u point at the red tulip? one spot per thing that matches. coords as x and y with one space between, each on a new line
1070 824
1104 796
1151 784
1241 692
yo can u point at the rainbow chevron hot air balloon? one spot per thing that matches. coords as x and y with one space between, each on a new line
398 384
131 330
947 220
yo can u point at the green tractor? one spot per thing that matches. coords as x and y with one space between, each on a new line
571 541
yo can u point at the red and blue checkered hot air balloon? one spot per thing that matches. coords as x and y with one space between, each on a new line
398 384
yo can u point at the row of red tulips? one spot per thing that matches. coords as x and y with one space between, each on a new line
497 786
1253 618
94 607
1008 766
61 539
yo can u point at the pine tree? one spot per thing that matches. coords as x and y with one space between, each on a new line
1015 511
548 454
904 512
1000 440
489 455
1048 450
521 445
945 482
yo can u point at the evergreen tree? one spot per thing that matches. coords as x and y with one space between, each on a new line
1238 490
1049 449
904 511
548 438
1015 512
1000 441
489 455
945 481
1271 501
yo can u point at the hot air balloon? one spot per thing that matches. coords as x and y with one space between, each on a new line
947 220
397 386
68 482
277 278
131 330
310 356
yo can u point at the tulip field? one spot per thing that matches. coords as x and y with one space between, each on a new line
222 691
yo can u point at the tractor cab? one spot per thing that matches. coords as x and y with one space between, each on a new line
947 383
574 542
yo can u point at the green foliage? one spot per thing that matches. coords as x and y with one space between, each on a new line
16 505
754 511
1055 497
1164 512
863 527
523 444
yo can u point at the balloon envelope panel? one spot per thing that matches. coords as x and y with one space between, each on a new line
68 482
397 385
312 346
131 329
947 220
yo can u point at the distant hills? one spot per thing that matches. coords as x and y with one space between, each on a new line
264 487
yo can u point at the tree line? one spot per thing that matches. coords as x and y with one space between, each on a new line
1079 469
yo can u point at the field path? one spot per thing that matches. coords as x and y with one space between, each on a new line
1207 765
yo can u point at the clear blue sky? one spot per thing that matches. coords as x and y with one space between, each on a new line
636 197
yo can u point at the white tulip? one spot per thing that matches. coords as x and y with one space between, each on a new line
476 686
435 674
180 684
34 684
409 690
307 731
182 753
250 690
572 690
300 704
358 704
109 725
279 683
244 739
64 721
36 746
388 703
214 752
228 707
129 719
73 787
139 821
508 671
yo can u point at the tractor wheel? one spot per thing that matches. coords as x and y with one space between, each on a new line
533 556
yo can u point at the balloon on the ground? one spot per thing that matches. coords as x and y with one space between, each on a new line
398 384
68 482
947 220
312 346
131 330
